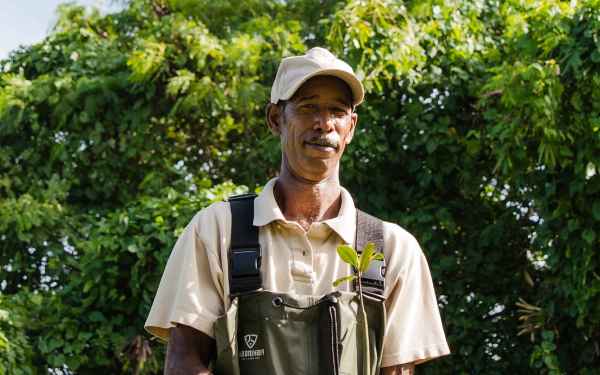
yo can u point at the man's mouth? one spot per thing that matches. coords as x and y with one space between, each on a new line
323 144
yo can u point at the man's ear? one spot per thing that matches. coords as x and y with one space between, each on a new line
354 122
273 115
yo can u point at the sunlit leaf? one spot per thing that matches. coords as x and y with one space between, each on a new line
366 256
344 279
348 255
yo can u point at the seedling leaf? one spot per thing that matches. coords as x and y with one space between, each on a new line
348 255
366 256
343 280
378 256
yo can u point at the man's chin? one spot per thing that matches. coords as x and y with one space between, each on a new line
318 170
327 155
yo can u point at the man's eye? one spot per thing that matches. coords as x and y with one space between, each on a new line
308 107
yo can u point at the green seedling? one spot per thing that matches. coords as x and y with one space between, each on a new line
360 263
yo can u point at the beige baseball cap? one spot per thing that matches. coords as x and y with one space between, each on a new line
295 70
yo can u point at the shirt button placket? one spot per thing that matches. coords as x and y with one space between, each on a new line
308 256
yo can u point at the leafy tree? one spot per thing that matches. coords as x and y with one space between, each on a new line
480 135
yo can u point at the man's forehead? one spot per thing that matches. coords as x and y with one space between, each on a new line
324 86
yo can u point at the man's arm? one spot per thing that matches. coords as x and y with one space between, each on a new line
189 351
407 369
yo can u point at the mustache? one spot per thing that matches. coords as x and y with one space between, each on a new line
325 140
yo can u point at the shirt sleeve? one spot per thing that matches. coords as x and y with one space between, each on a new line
414 331
190 290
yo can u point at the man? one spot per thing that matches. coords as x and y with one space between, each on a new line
302 216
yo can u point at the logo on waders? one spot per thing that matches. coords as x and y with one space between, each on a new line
250 340
251 353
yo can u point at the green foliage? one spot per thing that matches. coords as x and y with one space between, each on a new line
15 348
146 60
480 135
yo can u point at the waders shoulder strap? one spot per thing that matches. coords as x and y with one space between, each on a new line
244 252
370 229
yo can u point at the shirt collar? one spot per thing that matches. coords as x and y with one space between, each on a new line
345 223
266 210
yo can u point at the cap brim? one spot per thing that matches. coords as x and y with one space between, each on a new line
358 92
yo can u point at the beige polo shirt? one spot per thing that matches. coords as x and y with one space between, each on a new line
193 290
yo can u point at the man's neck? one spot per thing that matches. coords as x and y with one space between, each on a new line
305 201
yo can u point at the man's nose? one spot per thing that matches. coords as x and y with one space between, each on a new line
325 120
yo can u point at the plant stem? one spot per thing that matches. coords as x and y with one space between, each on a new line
367 354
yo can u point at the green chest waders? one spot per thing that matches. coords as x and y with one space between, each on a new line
265 333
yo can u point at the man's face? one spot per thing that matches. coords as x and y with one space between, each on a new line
315 126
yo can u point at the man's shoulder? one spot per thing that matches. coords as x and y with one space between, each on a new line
397 239
400 242
395 232
216 213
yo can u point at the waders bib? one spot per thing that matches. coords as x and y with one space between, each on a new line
265 333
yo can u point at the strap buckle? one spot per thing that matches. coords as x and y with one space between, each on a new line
244 269
245 262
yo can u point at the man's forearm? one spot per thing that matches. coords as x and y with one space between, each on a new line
407 369
188 352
